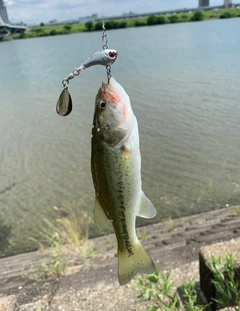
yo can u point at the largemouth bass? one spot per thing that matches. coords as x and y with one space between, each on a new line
116 172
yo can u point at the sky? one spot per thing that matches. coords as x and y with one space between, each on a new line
37 11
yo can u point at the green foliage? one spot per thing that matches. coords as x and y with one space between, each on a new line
67 27
158 288
42 24
190 294
170 224
139 23
112 24
156 20
236 211
123 24
184 17
197 16
22 35
89 26
226 15
38 30
224 281
98 26
173 18
53 32
152 20
161 20
54 267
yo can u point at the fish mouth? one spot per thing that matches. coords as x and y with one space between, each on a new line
109 91
112 84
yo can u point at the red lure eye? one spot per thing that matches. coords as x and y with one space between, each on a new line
112 54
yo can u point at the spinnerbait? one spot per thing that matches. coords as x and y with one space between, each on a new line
105 57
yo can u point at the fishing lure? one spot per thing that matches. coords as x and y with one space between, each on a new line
105 57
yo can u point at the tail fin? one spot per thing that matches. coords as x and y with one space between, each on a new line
130 264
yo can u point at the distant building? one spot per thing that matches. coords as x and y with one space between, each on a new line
129 14
228 4
53 21
3 12
92 18
202 3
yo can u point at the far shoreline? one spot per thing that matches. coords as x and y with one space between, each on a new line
51 30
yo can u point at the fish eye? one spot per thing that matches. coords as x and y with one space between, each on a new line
102 104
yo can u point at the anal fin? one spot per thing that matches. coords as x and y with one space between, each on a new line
146 209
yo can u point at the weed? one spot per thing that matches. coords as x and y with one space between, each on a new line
41 247
89 254
190 295
64 238
54 267
227 287
236 211
170 224
158 288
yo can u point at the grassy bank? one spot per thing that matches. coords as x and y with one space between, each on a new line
162 294
41 31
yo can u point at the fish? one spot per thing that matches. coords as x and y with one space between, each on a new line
116 173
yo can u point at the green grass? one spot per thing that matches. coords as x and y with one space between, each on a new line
170 224
162 294
236 211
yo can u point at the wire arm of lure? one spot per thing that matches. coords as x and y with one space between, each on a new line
105 57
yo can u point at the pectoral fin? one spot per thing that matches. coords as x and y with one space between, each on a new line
146 209
100 217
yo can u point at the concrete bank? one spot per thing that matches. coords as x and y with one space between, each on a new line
91 281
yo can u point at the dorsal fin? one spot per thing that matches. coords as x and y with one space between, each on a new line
146 209
100 217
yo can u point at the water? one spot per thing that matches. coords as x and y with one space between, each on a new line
184 84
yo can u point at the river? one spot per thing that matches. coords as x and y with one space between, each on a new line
184 84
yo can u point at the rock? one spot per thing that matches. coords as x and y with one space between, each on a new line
9 303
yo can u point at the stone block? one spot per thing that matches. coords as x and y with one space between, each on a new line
217 250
